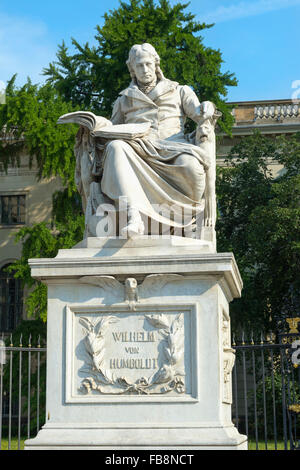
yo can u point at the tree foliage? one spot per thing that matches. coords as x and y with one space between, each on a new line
43 240
29 127
86 77
259 220
28 123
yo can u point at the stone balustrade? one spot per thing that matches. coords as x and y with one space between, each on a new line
277 111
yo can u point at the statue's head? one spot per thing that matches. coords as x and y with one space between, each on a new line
144 63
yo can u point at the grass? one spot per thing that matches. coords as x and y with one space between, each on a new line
13 444
262 446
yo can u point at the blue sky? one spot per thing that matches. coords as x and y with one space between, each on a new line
259 39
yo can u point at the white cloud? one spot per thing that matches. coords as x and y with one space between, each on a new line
25 48
246 9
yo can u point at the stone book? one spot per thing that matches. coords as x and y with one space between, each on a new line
102 127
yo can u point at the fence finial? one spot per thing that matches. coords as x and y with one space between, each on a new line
29 341
271 338
261 338
243 338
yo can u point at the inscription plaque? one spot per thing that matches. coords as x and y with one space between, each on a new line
124 353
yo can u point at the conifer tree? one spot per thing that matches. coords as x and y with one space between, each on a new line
94 75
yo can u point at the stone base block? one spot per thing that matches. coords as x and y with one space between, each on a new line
138 346
131 438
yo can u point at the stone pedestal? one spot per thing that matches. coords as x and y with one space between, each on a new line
138 346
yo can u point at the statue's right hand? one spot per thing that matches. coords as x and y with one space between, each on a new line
208 109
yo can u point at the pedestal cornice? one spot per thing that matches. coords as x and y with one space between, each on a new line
124 262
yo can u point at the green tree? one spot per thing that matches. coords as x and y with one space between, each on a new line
86 77
274 236
259 220
28 123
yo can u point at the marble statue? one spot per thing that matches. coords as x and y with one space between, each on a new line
164 167
139 326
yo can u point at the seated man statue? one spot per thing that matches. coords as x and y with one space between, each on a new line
163 168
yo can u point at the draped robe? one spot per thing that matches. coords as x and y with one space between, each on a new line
162 168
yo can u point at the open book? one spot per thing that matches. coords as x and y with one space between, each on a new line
101 127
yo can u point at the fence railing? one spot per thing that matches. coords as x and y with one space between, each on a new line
266 393
22 392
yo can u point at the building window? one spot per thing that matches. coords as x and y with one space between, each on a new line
11 300
12 209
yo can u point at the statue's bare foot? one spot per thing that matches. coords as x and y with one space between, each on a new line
135 226
133 230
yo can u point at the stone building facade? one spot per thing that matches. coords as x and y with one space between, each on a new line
270 118
23 201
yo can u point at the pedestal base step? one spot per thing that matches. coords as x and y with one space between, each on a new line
131 438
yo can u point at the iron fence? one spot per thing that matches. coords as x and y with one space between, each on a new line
266 392
22 392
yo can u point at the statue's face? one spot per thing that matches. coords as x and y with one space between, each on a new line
144 68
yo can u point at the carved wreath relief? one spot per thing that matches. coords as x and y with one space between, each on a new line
133 354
